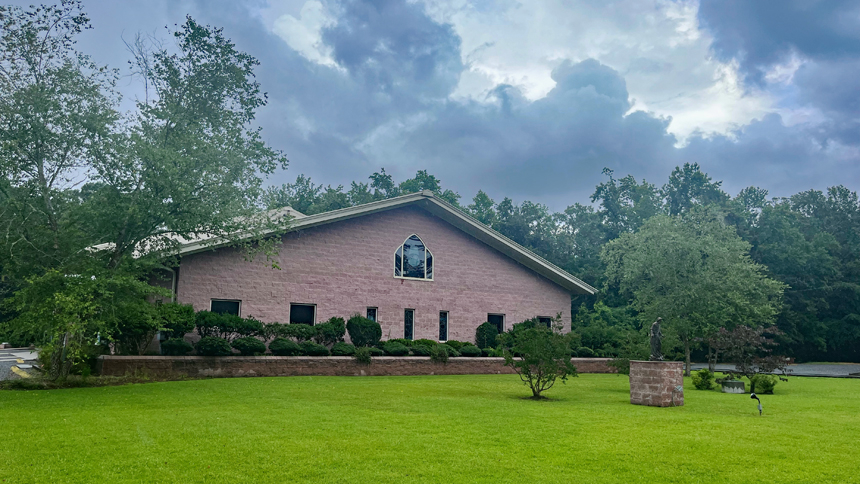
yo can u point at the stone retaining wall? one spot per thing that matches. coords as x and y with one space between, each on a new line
236 366
656 383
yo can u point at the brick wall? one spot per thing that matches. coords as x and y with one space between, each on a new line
653 383
347 266
237 366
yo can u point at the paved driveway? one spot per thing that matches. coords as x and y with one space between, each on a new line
15 361
837 370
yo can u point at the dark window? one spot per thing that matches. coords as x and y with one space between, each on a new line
545 321
409 324
413 260
371 314
302 314
497 320
225 307
443 325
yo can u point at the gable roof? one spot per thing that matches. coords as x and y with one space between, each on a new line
441 209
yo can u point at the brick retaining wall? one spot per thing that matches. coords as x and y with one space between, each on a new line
236 366
654 383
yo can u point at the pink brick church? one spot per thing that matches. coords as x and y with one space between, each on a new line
415 264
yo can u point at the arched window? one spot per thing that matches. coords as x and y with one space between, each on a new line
412 260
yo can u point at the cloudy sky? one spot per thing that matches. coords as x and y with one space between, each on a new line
532 99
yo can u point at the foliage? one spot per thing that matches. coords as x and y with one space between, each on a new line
374 351
425 342
485 335
393 348
176 347
227 326
363 331
420 350
403 341
694 272
330 332
176 320
297 332
455 344
284 347
584 352
249 346
342 349
489 352
449 349
751 350
363 355
439 354
763 384
314 349
213 346
703 379
470 350
543 357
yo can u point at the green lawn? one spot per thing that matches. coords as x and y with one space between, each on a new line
451 429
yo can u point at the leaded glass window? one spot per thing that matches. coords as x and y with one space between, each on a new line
409 324
413 260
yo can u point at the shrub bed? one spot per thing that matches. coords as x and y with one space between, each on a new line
213 346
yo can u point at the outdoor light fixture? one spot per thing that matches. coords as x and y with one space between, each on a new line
753 396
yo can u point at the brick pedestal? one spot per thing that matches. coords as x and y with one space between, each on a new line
654 383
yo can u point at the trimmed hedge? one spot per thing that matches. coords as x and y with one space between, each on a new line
176 347
374 351
284 347
296 332
420 350
342 349
425 342
363 331
393 348
456 344
213 346
330 332
470 350
249 346
314 349
450 349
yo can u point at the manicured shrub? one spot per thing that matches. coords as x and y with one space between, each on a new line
213 346
584 352
330 332
485 335
425 342
176 347
420 350
284 347
439 353
249 346
703 379
245 327
450 349
455 344
374 351
296 332
227 326
405 342
363 355
488 352
314 349
342 349
470 350
393 348
763 383
176 319
363 331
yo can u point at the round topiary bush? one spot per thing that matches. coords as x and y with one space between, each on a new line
470 351
363 331
284 347
393 348
485 335
176 347
374 351
342 349
420 350
213 346
249 346
313 349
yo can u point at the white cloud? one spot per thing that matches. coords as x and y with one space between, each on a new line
303 33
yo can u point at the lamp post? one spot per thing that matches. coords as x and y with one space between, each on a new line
753 396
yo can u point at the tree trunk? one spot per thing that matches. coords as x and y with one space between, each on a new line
687 357
712 359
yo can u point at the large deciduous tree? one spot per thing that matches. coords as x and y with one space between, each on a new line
693 271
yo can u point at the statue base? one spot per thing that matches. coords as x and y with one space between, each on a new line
657 383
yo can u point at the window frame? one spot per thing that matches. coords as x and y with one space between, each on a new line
313 321
549 323
405 310
375 313
211 300
447 325
504 320
402 260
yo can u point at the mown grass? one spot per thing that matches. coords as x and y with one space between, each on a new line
426 429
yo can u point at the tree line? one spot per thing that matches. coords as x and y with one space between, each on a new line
93 200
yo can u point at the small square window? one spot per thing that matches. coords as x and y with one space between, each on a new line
497 320
545 321
371 314
303 314
226 306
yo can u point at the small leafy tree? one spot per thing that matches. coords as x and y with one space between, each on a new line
542 357
751 350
